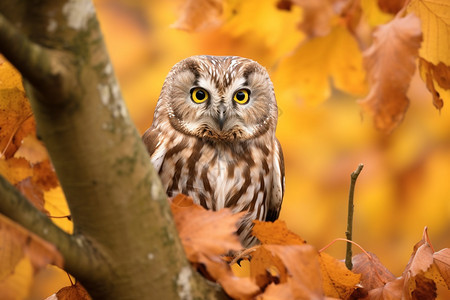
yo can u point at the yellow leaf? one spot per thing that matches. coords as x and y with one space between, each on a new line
435 19
15 169
261 22
434 52
56 205
10 78
308 71
17 286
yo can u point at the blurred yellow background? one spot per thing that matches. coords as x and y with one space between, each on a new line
405 183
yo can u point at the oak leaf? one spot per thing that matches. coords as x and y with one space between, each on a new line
442 262
390 64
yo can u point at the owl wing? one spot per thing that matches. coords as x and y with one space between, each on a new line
276 198
152 141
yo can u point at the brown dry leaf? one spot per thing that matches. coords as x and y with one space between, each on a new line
205 232
390 63
437 79
318 16
391 6
373 273
73 292
304 279
15 111
419 287
235 287
266 268
32 150
391 291
17 242
338 281
442 262
44 175
205 236
33 193
199 14
422 257
275 233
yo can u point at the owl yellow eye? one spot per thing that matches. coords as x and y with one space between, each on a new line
241 96
199 95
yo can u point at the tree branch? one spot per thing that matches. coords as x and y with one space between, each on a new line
77 259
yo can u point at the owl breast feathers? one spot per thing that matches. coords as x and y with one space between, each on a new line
213 138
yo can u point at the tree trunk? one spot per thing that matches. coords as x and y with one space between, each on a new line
125 244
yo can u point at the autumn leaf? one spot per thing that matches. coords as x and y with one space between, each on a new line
17 285
205 232
32 150
373 273
304 279
391 6
275 233
435 57
390 64
199 14
73 292
318 16
206 235
442 262
338 281
18 242
308 71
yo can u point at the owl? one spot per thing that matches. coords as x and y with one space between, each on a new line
213 138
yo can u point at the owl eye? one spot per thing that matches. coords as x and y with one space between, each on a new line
199 95
241 96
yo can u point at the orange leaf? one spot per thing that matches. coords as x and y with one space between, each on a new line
199 14
338 281
302 268
205 232
275 233
266 267
390 63
206 235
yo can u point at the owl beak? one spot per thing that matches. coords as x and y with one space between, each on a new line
221 117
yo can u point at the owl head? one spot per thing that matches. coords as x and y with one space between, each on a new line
222 98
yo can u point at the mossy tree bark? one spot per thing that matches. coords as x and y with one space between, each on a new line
125 245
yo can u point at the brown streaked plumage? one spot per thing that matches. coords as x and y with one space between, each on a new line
213 138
